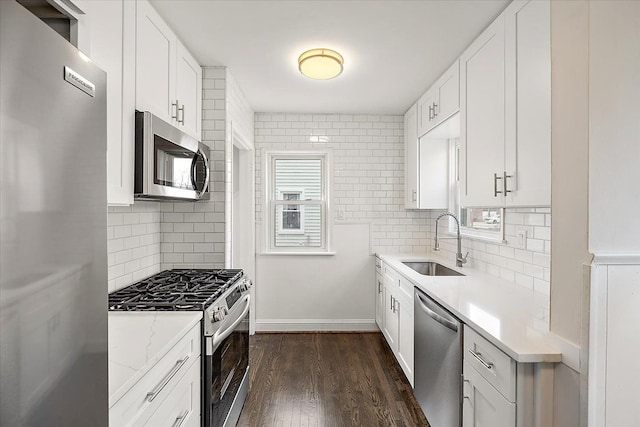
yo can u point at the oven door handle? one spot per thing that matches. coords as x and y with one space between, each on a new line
218 337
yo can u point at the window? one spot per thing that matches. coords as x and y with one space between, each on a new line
296 202
292 221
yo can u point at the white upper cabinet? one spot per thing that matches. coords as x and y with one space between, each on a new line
482 118
505 92
155 64
411 158
188 91
528 103
440 101
111 28
427 156
168 79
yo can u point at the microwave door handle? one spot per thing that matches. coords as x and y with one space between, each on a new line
206 168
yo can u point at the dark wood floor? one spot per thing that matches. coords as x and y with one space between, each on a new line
325 379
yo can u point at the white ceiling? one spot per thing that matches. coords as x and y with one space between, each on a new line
394 50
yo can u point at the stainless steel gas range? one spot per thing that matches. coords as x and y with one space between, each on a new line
223 297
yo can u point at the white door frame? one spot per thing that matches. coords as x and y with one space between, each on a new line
243 247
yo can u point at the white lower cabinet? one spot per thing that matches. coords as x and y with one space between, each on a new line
482 404
397 317
379 292
404 312
390 328
499 392
168 393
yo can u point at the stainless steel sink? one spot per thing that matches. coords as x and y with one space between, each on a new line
430 268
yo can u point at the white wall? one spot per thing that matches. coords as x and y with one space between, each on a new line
614 127
614 203
569 200
368 176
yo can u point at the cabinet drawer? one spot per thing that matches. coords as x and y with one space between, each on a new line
181 407
145 397
490 362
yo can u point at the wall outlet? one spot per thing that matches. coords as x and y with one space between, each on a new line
521 238
340 214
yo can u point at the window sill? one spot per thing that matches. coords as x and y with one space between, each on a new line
330 253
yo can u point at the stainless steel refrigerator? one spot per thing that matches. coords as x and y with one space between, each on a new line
53 229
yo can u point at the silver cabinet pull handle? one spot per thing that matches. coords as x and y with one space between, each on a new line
478 356
178 422
430 112
179 364
379 287
174 105
504 182
391 306
495 185
434 110
415 195
181 110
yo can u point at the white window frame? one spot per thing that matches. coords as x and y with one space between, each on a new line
269 203
300 192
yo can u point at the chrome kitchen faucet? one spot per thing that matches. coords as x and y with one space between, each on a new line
459 258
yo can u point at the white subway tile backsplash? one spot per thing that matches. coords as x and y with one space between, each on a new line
133 243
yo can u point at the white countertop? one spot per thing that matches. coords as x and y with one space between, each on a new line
137 340
512 317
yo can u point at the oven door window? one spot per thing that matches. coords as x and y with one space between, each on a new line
228 365
173 164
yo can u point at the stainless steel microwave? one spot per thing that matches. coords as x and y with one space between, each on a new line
169 164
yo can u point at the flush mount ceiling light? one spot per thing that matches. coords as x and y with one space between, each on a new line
321 64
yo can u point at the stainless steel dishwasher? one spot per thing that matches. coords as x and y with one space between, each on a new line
438 362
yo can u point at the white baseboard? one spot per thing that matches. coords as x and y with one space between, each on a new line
311 325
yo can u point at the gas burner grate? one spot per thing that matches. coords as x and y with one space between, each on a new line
174 290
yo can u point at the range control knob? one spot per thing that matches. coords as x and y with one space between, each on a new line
245 285
219 314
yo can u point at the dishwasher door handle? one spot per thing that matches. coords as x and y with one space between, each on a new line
435 316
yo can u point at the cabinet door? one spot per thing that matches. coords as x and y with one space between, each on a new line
411 158
404 309
155 64
112 28
528 103
448 93
379 301
482 83
434 172
188 92
426 116
482 404
390 329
